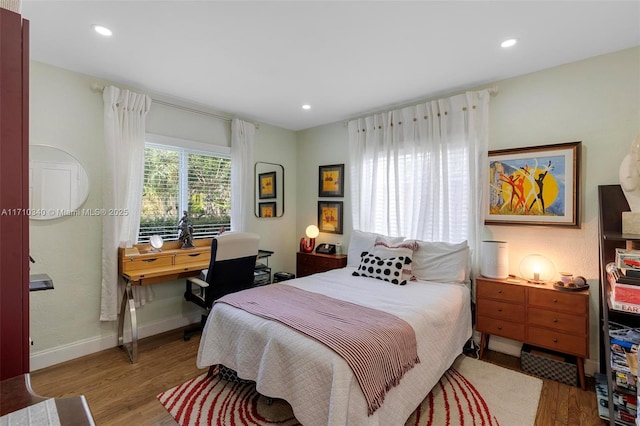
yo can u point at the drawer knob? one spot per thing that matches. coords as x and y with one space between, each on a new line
499 309
499 291
555 340
555 320
555 300
499 327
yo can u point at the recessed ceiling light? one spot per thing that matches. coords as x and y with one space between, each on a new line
306 106
509 43
102 30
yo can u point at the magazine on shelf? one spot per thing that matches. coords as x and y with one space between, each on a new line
628 259
622 414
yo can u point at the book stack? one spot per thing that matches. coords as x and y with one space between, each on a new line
624 281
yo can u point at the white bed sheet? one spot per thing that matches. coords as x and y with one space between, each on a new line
316 381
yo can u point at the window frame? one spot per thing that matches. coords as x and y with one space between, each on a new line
184 148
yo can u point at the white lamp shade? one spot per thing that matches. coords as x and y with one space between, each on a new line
495 259
312 231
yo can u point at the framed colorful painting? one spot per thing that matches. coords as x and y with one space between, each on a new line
267 188
267 209
331 181
330 216
537 185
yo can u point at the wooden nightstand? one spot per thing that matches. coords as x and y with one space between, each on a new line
312 263
537 314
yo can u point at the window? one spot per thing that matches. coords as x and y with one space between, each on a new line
178 179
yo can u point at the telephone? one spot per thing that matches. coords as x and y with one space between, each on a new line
326 248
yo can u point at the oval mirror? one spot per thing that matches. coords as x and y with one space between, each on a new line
156 242
269 190
58 184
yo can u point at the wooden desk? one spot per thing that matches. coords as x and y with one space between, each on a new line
16 394
142 266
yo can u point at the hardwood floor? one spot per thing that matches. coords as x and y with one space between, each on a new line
119 392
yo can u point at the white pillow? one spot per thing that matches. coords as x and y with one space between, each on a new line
363 241
441 262
383 249
389 270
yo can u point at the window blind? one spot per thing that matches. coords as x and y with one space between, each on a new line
180 179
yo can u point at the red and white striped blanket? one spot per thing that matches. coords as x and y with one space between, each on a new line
378 346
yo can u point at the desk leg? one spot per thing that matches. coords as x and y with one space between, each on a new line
127 299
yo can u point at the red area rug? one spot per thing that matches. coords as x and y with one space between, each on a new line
471 392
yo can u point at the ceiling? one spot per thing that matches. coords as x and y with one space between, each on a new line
263 60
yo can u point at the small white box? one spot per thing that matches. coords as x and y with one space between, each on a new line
630 223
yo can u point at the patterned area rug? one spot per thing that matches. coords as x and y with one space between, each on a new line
471 392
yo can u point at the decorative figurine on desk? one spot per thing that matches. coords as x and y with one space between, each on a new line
186 231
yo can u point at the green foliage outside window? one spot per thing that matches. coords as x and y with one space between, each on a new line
206 192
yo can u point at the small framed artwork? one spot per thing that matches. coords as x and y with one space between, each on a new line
267 209
537 185
267 188
331 181
330 216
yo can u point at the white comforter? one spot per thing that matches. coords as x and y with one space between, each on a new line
316 381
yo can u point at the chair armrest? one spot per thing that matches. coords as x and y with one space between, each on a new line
198 281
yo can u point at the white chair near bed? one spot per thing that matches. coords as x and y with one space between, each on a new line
233 259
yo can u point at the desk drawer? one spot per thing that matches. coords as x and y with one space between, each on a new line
189 258
499 327
146 263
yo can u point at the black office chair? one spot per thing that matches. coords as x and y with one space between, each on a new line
233 259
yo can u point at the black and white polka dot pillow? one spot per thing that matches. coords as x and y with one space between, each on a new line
389 269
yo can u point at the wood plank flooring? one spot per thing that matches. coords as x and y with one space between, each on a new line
120 393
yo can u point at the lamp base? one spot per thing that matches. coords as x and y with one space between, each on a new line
307 247
538 282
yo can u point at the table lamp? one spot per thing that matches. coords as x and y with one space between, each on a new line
537 269
312 232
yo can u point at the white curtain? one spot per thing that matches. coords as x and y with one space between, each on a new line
242 140
419 172
124 133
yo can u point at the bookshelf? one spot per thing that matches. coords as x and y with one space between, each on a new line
612 203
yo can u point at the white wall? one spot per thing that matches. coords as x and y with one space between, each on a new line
596 101
65 113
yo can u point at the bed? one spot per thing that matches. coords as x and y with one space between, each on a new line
317 382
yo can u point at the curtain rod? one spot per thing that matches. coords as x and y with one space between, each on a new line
493 91
100 87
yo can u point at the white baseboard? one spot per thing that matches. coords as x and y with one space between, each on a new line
52 356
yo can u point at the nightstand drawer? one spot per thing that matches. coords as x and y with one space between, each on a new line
501 310
557 320
567 302
557 341
499 291
500 327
